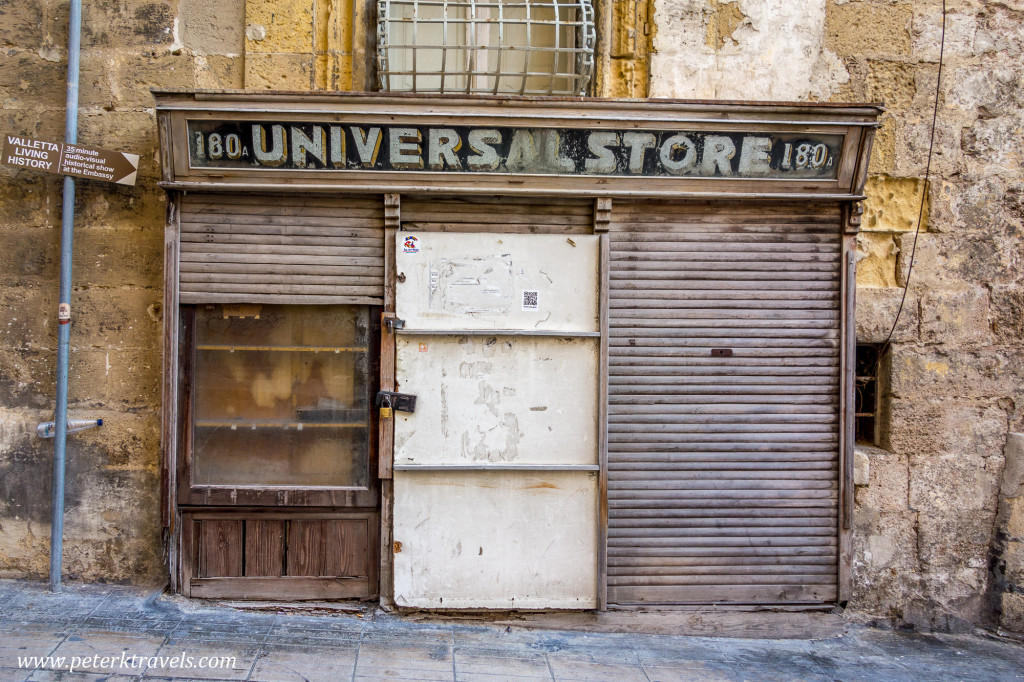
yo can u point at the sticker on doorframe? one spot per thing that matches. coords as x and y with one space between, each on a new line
531 300
411 245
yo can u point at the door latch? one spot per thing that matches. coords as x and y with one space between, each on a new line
403 402
393 324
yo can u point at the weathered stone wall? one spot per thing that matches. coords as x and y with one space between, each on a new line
1008 554
112 526
927 550
624 45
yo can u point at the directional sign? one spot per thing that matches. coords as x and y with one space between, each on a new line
68 159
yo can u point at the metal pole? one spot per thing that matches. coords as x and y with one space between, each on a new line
67 225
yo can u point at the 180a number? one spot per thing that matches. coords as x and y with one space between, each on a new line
806 156
216 146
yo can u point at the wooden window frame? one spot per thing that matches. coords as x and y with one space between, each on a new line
191 494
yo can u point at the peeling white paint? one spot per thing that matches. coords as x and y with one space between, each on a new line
524 400
777 52
517 540
477 281
176 45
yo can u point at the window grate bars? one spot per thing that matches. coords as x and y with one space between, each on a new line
526 47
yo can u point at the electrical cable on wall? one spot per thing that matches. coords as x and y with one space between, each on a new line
924 190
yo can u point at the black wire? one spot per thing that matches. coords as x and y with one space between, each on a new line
924 190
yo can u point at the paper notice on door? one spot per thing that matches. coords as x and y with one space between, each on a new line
471 286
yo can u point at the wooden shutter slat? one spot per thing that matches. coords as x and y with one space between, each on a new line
215 248
272 249
370 240
722 471
497 214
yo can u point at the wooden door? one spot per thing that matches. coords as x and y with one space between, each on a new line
496 472
723 403
279 363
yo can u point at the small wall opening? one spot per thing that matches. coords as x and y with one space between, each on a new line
869 360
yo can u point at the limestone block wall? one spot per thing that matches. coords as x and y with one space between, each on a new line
1008 550
927 540
112 527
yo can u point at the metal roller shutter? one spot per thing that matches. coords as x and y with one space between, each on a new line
281 249
723 403
498 214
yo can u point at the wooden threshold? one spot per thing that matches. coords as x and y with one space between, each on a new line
285 588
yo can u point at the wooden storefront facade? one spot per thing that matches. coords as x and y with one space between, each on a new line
628 327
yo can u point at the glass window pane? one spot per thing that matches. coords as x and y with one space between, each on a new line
281 399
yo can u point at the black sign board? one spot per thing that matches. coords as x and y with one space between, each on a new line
338 146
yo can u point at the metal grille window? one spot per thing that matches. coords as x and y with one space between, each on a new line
528 47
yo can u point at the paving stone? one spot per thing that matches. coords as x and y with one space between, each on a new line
472 663
396 673
413 637
237 669
499 677
13 657
187 633
105 652
672 674
313 630
684 654
55 675
405 657
797 665
315 647
299 667
577 668
128 626
757 674
33 639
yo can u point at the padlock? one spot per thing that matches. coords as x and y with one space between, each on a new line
385 408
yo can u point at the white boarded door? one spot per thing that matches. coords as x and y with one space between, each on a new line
495 481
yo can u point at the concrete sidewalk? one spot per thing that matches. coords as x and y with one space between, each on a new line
141 633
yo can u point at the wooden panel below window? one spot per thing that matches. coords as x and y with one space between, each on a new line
345 545
264 548
277 555
220 548
327 548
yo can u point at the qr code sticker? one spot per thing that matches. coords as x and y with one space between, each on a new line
531 300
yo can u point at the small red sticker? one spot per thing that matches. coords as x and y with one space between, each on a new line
411 245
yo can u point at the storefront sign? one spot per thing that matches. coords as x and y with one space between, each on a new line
66 159
544 151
